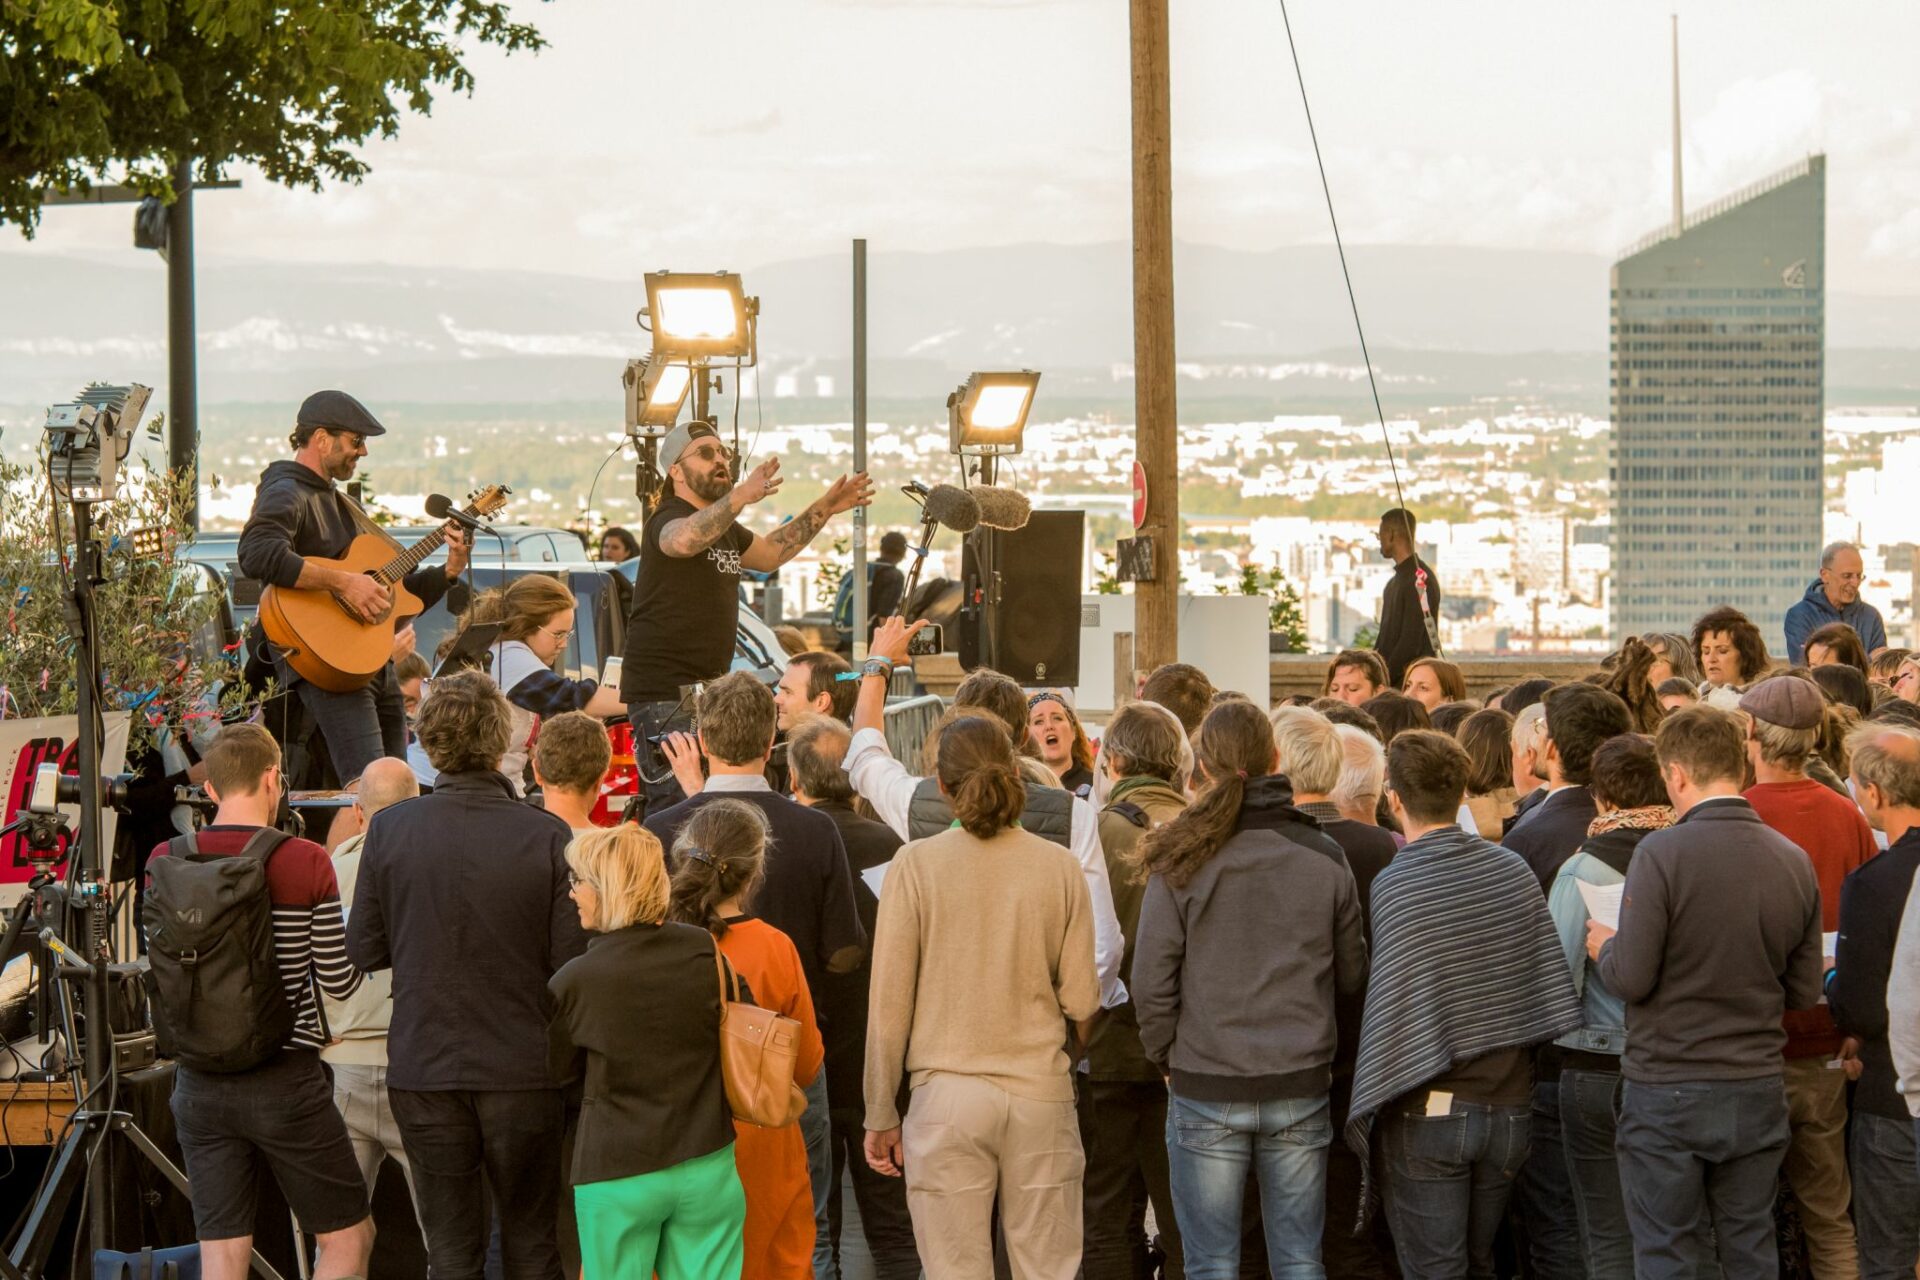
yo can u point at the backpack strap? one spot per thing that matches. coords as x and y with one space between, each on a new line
263 843
1130 811
184 846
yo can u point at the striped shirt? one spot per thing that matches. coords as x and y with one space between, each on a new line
309 928
1465 962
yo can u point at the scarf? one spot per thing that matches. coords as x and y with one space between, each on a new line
1466 962
1657 817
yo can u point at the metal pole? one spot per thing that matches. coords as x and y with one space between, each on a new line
1156 409
183 408
859 569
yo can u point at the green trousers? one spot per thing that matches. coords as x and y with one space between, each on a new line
682 1223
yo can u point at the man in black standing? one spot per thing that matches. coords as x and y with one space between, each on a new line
1407 628
298 517
686 601
816 753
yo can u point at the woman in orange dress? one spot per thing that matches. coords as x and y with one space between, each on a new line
717 861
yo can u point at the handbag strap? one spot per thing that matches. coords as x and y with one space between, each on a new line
722 970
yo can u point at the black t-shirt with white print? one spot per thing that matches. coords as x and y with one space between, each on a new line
684 611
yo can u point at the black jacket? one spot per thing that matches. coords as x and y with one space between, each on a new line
298 513
842 998
641 1011
1403 634
463 894
1872 900
1552 831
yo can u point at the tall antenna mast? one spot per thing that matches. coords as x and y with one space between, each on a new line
1679 207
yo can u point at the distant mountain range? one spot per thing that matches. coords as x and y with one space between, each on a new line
1439 320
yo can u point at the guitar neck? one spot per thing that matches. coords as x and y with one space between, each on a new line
409 560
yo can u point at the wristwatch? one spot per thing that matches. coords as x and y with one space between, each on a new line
877 667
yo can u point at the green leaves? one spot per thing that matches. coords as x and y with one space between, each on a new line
114 90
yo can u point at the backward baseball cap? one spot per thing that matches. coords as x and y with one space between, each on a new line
680 438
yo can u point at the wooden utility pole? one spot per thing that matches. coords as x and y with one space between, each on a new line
1156 431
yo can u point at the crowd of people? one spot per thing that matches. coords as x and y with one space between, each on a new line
1598 977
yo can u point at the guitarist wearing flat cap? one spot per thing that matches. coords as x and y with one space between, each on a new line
301 519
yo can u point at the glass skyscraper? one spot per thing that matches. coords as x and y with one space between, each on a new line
1719 339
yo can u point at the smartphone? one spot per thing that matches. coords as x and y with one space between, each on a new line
926 642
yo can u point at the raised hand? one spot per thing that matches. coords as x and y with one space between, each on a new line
759 484
891 638
847 493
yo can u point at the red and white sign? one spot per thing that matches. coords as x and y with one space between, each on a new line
1139 496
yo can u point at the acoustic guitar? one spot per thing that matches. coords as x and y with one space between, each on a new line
330 646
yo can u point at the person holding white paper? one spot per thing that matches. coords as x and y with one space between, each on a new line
1630 800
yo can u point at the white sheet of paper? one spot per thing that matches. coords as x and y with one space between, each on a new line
874 876
1829 944
1603 903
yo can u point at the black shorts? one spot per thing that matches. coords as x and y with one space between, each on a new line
281 1112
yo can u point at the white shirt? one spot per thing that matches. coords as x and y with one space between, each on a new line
889 788
1903 1006
735 782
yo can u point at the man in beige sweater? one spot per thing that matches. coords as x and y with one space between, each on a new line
358 1054
984 949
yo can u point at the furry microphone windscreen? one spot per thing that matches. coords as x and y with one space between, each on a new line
1002 508
952 508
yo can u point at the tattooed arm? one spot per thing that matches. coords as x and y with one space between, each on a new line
783 544
690 535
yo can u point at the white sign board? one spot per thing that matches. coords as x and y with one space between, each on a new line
1225 636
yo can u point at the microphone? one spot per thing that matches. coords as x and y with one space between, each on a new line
1002 508
441 507
943 504
955 508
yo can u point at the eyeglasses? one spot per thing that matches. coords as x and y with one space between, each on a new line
574 880
352 439
557 635
708 452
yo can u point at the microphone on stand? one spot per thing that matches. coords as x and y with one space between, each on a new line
441 507
943 504
1001 508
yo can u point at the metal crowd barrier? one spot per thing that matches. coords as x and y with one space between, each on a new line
907 725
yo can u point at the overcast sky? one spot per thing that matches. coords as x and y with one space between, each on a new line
726 133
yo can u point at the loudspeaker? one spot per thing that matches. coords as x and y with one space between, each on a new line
1020 612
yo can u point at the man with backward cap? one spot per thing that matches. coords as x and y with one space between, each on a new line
299 517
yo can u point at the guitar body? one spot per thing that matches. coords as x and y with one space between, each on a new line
328 646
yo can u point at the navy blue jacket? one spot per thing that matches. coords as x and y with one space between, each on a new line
463 894
1872 899
1815 611
1551 832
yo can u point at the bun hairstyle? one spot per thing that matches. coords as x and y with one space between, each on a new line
1235 743
719 854
976 770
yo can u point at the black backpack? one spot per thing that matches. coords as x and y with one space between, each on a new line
218 1001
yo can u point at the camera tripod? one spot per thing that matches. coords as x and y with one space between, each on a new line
76 953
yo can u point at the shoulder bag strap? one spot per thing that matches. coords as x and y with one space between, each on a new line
729 991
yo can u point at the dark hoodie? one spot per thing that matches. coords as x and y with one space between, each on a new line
298 513
1235 972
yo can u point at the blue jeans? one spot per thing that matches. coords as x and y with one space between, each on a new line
1696 1152
1589 1121
1210 1148
1447 1180
816 1126
359 727
1886 1195
1543 1197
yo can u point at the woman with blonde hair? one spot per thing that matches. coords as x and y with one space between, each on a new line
984 947
719 859
536 624
653 1177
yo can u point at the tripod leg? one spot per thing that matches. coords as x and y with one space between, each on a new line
158 1158
28 1256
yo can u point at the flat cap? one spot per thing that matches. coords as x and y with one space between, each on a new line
338 411
1788 701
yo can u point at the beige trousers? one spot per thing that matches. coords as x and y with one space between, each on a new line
1816 1165
967 1143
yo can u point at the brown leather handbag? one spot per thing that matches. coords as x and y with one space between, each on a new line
758 1048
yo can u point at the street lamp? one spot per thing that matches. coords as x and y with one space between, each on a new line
987 414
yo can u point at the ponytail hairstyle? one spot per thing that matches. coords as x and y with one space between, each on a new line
719 854
976 770
1235 743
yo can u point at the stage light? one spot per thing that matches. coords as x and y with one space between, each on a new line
697 316
655 392
987 414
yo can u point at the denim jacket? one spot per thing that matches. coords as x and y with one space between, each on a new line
1605 1027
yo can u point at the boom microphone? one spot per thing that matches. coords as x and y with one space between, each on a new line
441 507
1002 508
955 508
